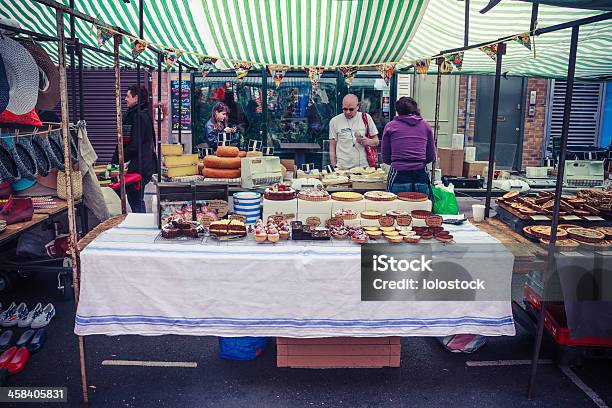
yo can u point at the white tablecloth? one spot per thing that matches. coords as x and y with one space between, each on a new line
134 283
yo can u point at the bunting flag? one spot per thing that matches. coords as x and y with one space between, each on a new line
242 69
314 74
277 72
349 74
207 65
490 50
524 39
170 57
103 35
138 46
386 71
421 67
456 59
446 67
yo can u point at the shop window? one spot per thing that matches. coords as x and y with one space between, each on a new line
374 98
244 100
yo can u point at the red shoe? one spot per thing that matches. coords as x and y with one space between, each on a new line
17 209
7 356
19 360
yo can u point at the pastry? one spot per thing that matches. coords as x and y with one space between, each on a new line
279 192
412 196
437 230
606 230
405 233
391 233
404 219
360 238
386 229
170 232
444 237
260 235
227 227
510 195
370 215
371 228
346 196
283 234
562 244
313 194
433 221
586 235
345 214
273 235
394 239
542 231
426 235
412 239
379 196
420 214
386 221
374 234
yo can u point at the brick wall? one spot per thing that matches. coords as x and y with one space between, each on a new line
165 104
535 126
461 106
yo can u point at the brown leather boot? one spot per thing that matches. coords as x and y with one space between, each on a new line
17 209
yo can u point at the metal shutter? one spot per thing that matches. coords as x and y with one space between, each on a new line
585 118
99 103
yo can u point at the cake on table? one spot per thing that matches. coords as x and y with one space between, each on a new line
313 194
279 192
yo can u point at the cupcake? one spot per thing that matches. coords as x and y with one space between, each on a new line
260 235
273 235
283 234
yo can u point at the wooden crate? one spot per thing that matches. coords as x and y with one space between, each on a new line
338 352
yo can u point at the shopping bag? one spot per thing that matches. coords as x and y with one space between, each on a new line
444 202
242 348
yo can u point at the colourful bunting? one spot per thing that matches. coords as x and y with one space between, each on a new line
277 72
524 39
242 69
445 67
456 59
138 46
170 57
421 67
314 74
386 71
207 65
490 50
349 74
103 35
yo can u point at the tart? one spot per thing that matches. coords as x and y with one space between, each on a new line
345 214
404 220
562 245
374 234
605 230
406 233
412 196
437 230
597 245
433 221
426 235
391 233
386 221
371 229
566 226
359 238
510 196
396 213
444 237
412 239
420 214
527 232
370 215
346 196
543 231
279 192
313 194
586 235
379 196
387 229
394 239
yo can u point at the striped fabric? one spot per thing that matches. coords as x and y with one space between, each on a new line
333 33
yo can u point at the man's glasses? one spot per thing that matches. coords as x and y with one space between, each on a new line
348 109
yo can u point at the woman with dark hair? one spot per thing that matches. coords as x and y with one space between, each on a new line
408 146
140 150
217 124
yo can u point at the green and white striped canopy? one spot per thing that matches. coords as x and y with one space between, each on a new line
332 33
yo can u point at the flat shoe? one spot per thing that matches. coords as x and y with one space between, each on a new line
25 338
5 340
7 356
38 340
19 360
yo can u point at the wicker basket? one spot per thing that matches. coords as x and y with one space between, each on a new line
77 185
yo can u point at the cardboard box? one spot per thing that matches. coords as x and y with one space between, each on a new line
475 168
450 162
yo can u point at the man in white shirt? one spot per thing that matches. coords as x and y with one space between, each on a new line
347 135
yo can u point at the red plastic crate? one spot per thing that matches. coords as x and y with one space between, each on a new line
555 323
532 296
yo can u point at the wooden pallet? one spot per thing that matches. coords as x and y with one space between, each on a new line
338 352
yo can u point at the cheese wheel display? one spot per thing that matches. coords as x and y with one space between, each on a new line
221 173
222 162
228 151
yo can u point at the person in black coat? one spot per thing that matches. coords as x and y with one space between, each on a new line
139 148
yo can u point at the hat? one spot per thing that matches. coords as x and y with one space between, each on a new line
22 75
43 163
48 81
4 87
8 167
26 163
57 149
58 145
42 143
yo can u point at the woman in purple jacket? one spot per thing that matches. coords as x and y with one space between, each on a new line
408 145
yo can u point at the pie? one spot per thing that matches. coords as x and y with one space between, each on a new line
346 196
370 215
412 239
404 220
412 196
386 221
279 192
562 245
386 229
371 229
433 221
394 239
345 214
605 230
374 234
313 194
543 231
586 235
510 195
421 214
391 234
379 196
444 237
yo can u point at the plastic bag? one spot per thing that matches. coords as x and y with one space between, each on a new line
463 343
444 202
242 348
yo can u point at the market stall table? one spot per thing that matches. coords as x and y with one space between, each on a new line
133 282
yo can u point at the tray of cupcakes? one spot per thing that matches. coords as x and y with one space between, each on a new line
273 230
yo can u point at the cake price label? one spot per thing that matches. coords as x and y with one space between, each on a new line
278 218
313 221
335 222
205 220
219 207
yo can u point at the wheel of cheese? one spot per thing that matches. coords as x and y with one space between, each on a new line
221 173
242 153
228 151
222 162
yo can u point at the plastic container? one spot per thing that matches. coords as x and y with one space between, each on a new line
555 323
478 212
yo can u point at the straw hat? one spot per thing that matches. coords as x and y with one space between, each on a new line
4 87
22 75
48 82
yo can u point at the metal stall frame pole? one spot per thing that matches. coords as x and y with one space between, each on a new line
79 49
571 70
159 113
466 27
140 35
61 57
501 50
439 62
71 50
117 39
180 104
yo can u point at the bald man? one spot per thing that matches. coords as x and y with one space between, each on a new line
347 135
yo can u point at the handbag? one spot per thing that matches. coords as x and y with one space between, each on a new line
77 185
371 151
